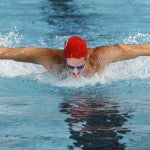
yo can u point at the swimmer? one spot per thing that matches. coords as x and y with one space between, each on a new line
76 57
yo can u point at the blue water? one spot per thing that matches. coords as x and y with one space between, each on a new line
51 112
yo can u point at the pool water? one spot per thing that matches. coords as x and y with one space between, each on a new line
45 111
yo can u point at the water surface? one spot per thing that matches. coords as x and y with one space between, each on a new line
47 111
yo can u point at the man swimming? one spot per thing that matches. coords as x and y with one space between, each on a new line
76 56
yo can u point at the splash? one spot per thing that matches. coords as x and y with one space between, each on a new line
123 70
137 38
10 39
134 68
11 68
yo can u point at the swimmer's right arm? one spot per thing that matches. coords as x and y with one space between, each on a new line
25 54
21 54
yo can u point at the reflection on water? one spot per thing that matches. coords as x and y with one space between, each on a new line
64 18
94 123
60 6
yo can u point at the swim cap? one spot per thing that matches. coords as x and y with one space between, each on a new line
75 47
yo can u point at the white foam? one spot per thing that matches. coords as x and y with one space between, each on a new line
11 39
135 68
11 68
137 38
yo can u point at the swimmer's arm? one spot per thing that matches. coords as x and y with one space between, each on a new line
120 52
26 54
21 54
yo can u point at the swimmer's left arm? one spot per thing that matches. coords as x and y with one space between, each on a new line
120 52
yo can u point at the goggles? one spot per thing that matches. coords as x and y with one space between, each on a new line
73 67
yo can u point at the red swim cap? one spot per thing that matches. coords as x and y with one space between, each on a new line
75 47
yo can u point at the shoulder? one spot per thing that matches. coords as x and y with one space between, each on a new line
102 55
49 55
107 51
100 51
106 48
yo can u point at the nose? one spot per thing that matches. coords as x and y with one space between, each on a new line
76 72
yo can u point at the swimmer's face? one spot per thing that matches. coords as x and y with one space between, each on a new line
75 66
